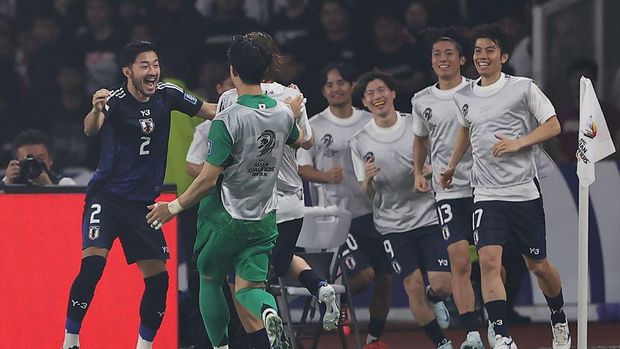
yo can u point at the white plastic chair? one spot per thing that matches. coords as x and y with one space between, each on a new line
324 230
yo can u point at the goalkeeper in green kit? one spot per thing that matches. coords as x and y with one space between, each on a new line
237 218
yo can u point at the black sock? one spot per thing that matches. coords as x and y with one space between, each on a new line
153 305
431 296
497 315
376 327
311 281
82 291
433 332
259 339
469 321
556 305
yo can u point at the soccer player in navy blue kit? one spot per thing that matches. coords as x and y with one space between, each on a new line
134 122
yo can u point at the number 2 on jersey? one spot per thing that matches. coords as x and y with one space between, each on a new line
145 141
96 210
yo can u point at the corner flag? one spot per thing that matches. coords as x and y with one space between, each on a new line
594 144
595 141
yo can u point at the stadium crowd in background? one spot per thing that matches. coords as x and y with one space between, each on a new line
54 54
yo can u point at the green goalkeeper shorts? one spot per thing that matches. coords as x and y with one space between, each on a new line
225 244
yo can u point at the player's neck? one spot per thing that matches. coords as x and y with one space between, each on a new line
136 93
447 84
342 111
388 121
491 79
245 89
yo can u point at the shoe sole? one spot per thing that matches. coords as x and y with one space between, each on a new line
332 313
274 328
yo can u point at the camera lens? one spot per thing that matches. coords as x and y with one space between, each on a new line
30 167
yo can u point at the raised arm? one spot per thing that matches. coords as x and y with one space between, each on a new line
95 117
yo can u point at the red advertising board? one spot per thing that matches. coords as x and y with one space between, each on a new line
40 251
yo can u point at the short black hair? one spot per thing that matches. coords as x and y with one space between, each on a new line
250 58
448 34
131 50
277 58
584 64
364 80
346 71
495 33
31 136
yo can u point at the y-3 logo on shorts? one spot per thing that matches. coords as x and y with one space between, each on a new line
534 251
442 262
165 249
82 305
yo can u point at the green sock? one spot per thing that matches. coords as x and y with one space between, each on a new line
214 310
255 299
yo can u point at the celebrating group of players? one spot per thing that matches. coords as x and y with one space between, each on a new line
476 141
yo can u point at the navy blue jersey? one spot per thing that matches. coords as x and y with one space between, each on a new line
134 141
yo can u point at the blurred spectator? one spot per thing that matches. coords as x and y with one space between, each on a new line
49 52
129 11
335 40
228 19
99 42
393 55
521 57
293 22
65 115
141 30
177 24
564 147
293 68
416 20
33 162
214 79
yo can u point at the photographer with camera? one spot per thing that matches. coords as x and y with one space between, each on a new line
33 164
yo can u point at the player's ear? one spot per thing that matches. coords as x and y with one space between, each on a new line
462 60
505 57
126 71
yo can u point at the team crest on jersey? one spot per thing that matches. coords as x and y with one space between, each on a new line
93 232
327 140
427 114
370 156
465 110
266 143
147 126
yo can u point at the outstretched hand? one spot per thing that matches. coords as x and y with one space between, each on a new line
159 214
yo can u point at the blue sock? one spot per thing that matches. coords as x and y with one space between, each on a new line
147 334
73 327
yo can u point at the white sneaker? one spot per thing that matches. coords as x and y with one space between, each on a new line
442 315
275 330
447 345
491 334
473 341
327 296
504 343
561 335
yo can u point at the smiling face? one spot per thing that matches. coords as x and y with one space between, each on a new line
337 90
379 98
446 60
144 73
488 58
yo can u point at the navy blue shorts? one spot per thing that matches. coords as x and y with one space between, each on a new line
421 248
107 216
519 222
455 218
283 250
364 248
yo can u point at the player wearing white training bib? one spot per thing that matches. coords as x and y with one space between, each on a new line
382 155
496 115
328 165
435 126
